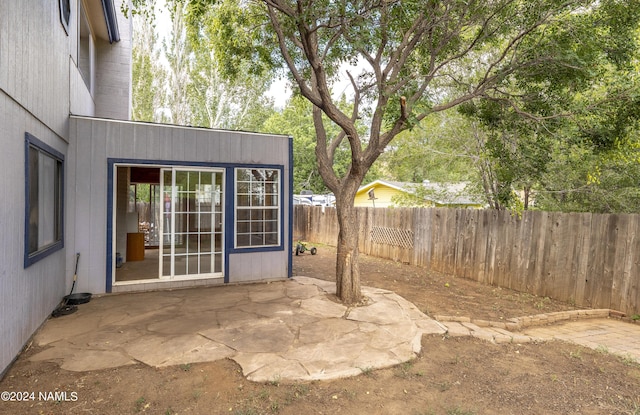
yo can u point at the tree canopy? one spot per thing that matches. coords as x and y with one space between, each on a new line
410 59
181 83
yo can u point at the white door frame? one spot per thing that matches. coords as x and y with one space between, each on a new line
219 246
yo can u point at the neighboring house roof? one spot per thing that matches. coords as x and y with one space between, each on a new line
439 193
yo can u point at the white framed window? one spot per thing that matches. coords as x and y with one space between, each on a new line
44 180
257 207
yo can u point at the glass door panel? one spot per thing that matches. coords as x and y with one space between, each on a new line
145 201
192 236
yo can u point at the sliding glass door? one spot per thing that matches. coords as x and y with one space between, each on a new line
192 223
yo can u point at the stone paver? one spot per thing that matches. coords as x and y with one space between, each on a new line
611 335
287 330
291 330
589 328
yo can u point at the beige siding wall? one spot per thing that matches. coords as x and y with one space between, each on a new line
34 98
38 65
34 56
80 100
258 266
27 296
94 141
113 73
39 87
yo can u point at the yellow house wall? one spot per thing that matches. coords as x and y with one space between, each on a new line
383 197
385 194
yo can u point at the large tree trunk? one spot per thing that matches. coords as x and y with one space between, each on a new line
347 268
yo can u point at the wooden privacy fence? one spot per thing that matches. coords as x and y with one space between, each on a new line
592 260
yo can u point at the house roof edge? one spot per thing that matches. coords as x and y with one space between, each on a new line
111 20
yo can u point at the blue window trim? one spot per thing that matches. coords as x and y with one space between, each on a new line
31 141
280 246
229 212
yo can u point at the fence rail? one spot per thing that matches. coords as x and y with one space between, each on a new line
592 260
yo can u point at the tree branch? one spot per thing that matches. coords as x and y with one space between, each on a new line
324 158
300 80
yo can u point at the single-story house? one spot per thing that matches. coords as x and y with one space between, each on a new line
217 204
386 193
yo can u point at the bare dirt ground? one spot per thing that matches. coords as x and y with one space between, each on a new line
452 376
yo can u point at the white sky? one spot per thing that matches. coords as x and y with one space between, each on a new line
280 90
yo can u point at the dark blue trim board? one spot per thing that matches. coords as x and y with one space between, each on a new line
229 216
31 141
